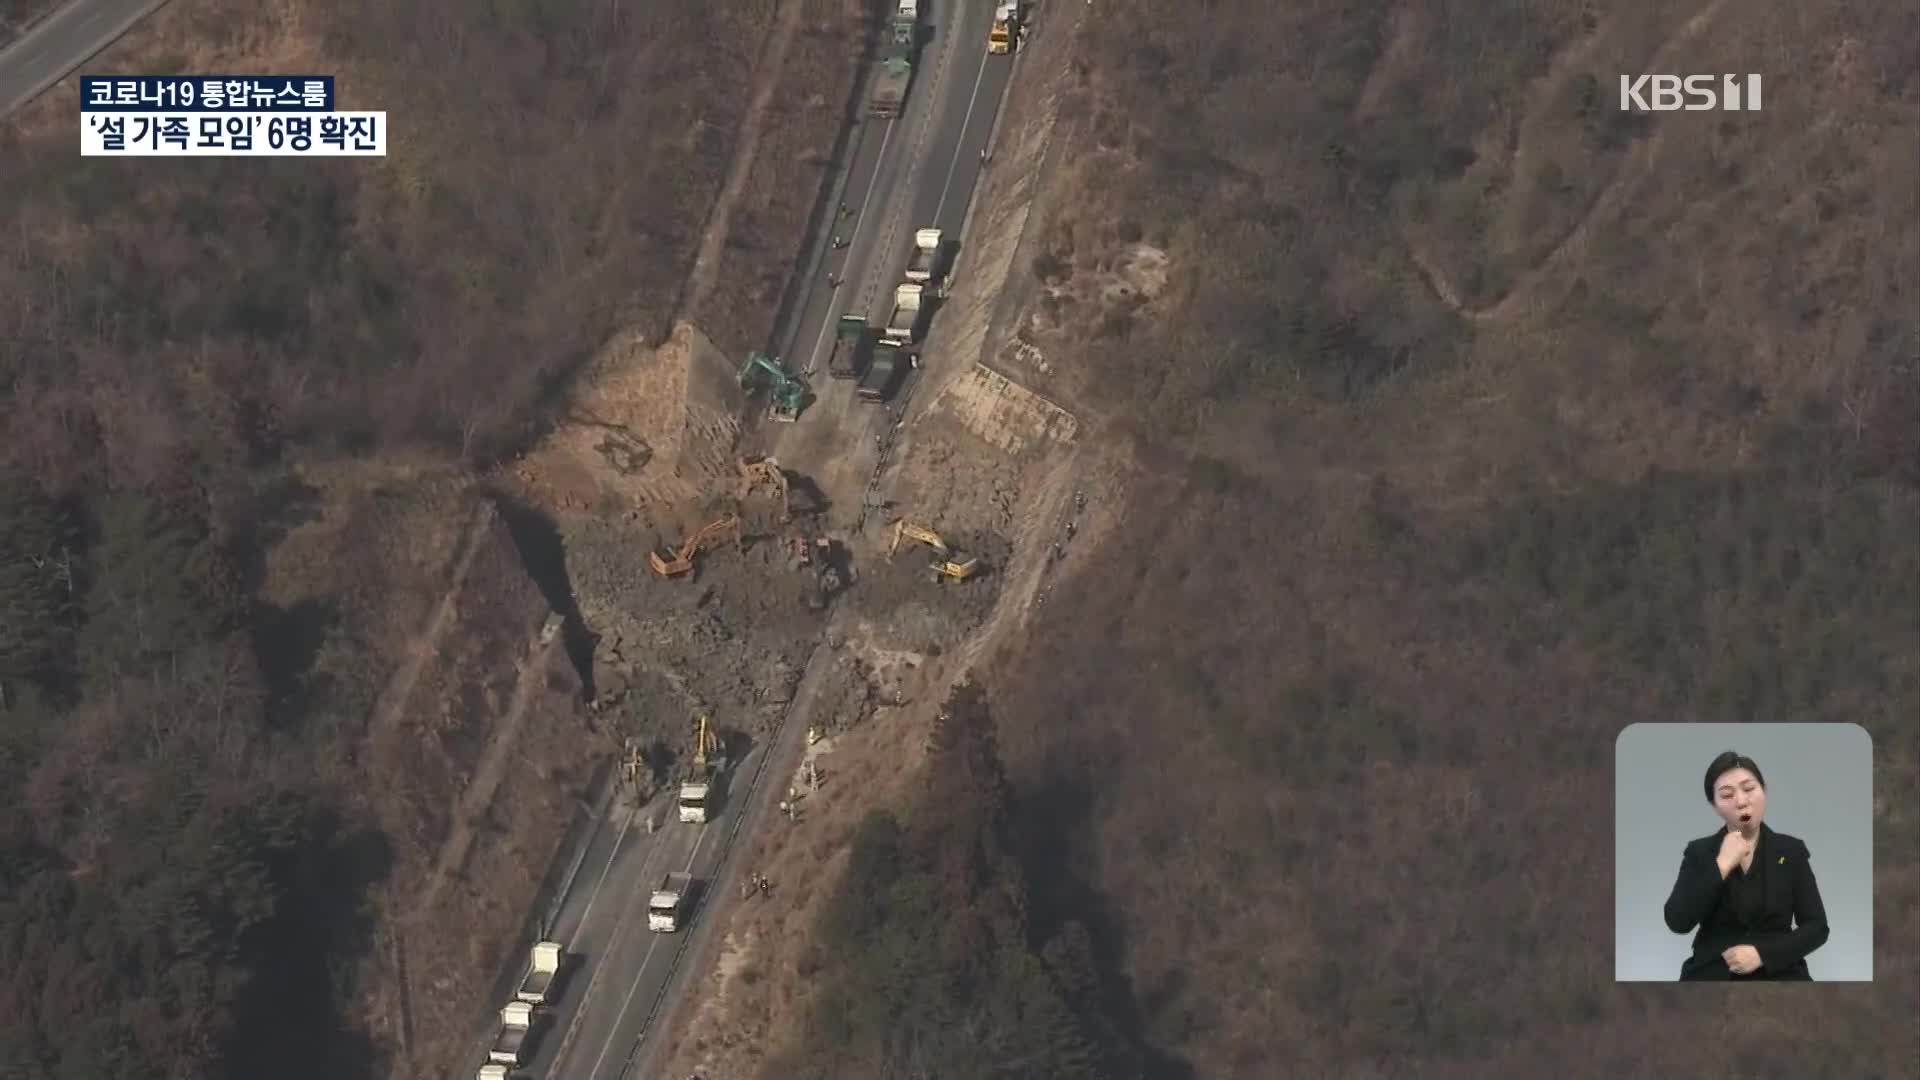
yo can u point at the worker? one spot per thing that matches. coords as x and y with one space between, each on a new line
1070 528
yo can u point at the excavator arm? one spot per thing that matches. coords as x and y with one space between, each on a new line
906 530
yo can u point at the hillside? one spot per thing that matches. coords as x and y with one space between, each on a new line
1483 422
268 645
1471 421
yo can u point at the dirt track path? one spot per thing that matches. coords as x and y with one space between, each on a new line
713 239
392 703
1574 244
480 790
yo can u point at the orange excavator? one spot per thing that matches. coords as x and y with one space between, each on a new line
668 562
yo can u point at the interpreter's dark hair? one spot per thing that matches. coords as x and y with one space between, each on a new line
1727 762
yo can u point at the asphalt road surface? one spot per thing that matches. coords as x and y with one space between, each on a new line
902 174
623 975
905 174
62 42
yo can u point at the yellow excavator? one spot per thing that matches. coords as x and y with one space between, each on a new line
950 564
668 562
697 791
766 471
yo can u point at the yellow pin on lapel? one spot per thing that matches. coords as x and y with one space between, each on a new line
1783 860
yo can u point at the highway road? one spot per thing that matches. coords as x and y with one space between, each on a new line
62 42
901 175
906 174
622 974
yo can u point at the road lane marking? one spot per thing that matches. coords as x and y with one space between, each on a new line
612 857
600 965
813 355
683 937
646 960
960 140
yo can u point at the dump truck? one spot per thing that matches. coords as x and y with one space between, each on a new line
890 88
890 361
849 348
1004 35
536 986
667 907
514 1044
928 260
909 316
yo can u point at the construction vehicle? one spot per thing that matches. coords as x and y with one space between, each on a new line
671 563
536 986
948 565
703 779
903 30
820 557
928 260
890 361
767 471
491 1071
667 907
1004 36
849 348
908 318
787 393
519 1027
890 85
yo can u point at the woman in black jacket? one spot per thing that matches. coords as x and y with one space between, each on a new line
1749 889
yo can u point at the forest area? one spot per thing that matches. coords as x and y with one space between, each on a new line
1485 421
246 402
936 959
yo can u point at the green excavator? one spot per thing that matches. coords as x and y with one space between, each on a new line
787 393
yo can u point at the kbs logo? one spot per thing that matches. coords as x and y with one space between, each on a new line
1693 93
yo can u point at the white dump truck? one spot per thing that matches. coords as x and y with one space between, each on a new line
909 316
928 260
536 986
514 1044
667 907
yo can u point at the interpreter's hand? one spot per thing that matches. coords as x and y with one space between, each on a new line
1734 848
1742 959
